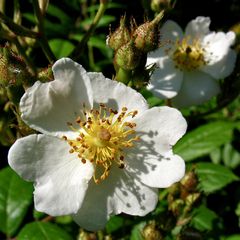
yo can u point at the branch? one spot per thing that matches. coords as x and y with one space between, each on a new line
81 46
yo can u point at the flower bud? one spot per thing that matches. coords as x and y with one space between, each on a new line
147 35
46 75
150 232
13 70
159 5
120 36
189 181
127 56
43 4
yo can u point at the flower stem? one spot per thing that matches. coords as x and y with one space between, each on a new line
17 29
80 47
42 37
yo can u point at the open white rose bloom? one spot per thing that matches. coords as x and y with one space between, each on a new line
100 150
189 64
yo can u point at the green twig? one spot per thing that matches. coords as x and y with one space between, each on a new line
42 39
17 29
80 47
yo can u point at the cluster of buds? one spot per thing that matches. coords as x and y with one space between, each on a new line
13 74
12 68
131 45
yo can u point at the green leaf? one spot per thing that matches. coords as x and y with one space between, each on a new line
203 218
237 210
60 47
213 177
215 155
233 237
104 22
114 224
204 139
136 233
43 231
231 157
100 43
58 13
15 198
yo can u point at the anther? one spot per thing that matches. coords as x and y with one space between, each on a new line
78 120
121 166
64 138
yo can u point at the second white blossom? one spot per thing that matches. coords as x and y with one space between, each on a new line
189 64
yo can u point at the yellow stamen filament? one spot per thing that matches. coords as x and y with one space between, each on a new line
188 56
103 134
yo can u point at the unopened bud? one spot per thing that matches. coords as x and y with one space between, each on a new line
127 56
147 35
43 5
120 36
13 70
151 232
189 181
87 236
45 75
159 5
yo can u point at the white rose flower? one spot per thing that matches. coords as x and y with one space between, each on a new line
189 64
101 151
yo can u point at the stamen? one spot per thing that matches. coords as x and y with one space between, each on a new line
102 138
188 56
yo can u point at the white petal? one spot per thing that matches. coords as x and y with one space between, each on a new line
170 32
221 58
47 107
197 87
118 193
154 169
157 57
160 128
198 27
115 94
61 180
131 196
166 80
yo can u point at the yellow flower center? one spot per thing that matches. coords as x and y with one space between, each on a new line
188 56
103 135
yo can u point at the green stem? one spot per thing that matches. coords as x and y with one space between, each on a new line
42 39
17 29
80 47
124 76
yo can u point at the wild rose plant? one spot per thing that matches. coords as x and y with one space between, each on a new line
121 132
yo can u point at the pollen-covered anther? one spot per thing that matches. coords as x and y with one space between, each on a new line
188 55
102 136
